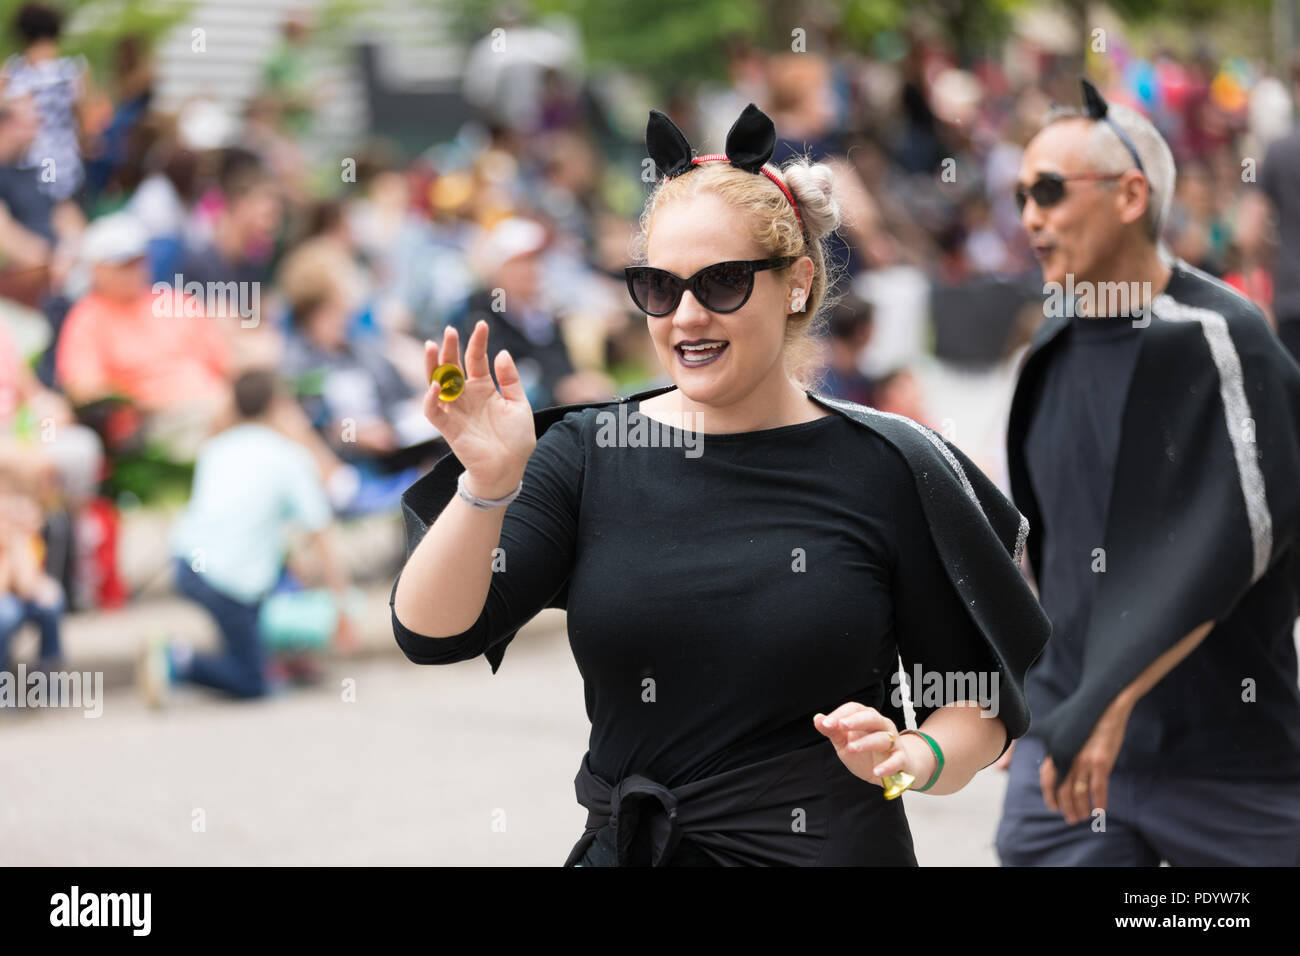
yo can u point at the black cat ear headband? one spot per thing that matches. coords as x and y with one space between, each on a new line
1095 107
750 143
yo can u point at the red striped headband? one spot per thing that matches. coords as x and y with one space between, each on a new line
715 157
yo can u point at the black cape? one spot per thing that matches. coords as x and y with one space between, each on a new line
977 532
1206 490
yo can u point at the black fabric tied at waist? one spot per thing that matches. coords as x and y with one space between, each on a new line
772 813
641 803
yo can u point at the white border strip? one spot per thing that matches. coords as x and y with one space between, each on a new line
1021 534
1236 412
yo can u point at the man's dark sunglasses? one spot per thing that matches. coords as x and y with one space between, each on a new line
722 287
1049 189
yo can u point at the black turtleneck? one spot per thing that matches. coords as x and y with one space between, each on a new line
1070 452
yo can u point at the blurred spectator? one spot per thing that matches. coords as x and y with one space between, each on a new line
383 322
237 256
1195 232
420 283
37 232
162 202
850 330
518 85
326 253
230 166
132 91
29 209
508 258
1277 196
180 383
286 79
984 248
243 230
564 192
121 341
351 392
920 147
229 546
803 110
27 593
58 85
899 392
265 135
1252 280
43 452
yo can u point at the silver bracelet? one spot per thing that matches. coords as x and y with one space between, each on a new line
485 504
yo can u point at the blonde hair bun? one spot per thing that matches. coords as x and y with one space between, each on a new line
813 188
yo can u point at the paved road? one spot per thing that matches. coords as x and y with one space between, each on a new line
429 765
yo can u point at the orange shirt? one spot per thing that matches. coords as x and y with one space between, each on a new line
157 361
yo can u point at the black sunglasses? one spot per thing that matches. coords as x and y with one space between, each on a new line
1049 189
722 287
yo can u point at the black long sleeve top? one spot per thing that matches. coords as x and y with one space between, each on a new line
718 601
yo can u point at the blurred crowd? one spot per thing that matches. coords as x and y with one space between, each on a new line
213 310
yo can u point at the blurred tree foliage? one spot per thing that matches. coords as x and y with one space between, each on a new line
1194 13
93 27
334 21
1201 17
680 43
677 44
674 43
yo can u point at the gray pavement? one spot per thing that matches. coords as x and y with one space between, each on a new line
428 765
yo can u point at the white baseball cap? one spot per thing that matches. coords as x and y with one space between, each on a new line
508 239
114 239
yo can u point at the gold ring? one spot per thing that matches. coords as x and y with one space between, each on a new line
1080 787
451 382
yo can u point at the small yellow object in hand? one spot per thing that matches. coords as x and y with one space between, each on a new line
451 382
896 783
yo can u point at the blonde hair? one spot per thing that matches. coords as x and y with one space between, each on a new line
775 229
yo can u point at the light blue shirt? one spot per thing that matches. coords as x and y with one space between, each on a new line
250 485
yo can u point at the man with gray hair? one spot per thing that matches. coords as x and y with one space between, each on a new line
1153 446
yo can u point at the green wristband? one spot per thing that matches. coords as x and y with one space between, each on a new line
938 755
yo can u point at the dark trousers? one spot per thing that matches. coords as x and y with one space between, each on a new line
1150 817
240 667
16 611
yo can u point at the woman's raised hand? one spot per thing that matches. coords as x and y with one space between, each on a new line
491 432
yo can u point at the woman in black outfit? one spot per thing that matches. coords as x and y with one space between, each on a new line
743 560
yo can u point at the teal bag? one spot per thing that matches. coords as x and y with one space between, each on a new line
304 620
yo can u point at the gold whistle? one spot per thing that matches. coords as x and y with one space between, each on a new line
451 382
896 783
